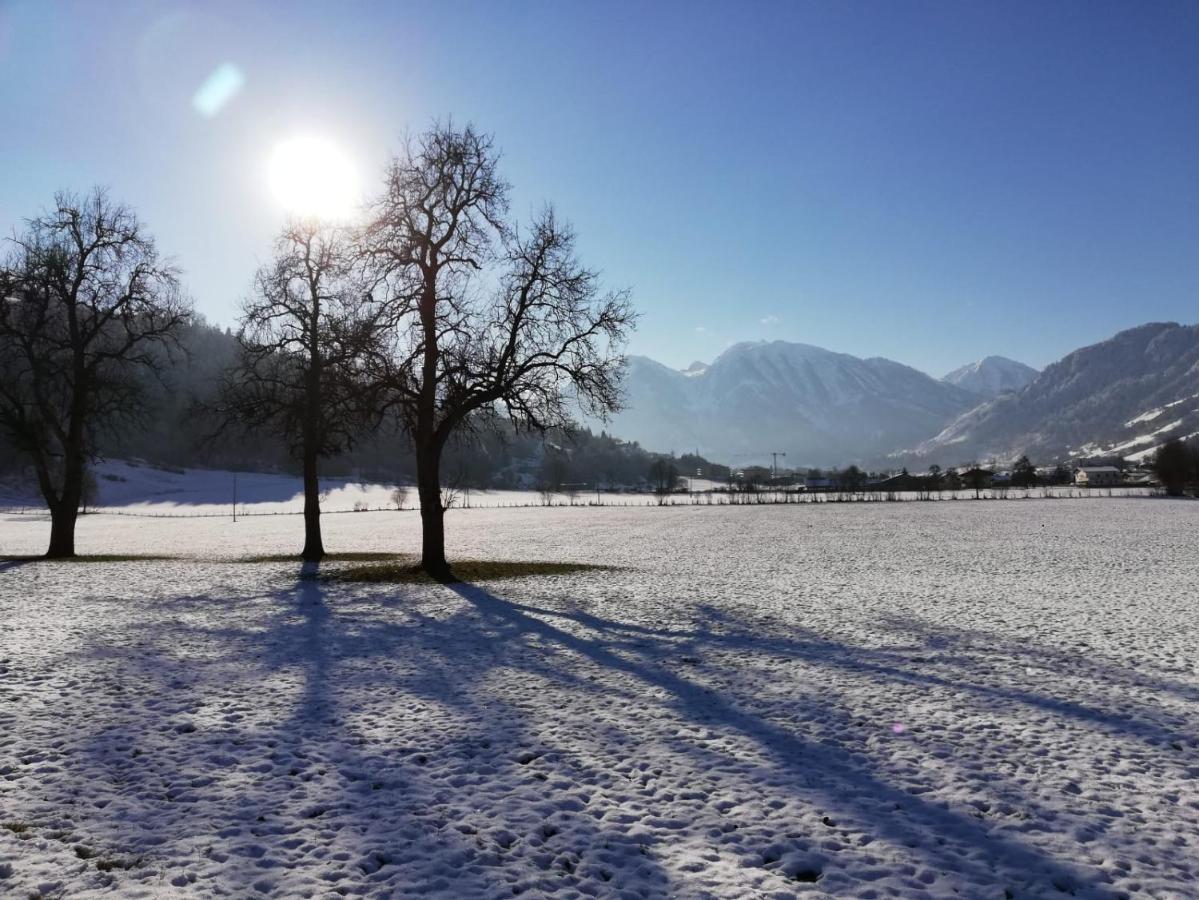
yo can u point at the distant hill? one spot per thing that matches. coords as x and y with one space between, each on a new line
1126 396
992 376
820 407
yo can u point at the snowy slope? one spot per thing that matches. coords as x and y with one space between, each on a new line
1091 401
992 376
851 701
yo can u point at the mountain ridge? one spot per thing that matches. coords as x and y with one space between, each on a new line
992 376
1122 396
1107 398
824 406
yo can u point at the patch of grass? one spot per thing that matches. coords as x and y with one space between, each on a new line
94 558
125 557
464 570
352 556
15 827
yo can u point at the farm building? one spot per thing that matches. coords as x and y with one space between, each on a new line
1098 476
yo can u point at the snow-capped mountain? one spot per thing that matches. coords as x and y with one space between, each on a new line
1126 395
992 376
820 407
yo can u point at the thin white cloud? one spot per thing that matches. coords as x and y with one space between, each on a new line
770 320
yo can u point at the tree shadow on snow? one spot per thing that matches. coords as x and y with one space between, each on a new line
371 754
366 741
950 840
942 656
966 662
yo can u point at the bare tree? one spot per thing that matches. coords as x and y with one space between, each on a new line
306 337
85 301
492 322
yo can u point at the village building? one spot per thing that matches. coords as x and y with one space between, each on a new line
1098 476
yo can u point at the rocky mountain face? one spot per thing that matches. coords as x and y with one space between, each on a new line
1123 396
992 376
819 407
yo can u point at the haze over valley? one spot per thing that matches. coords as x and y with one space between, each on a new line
1126 395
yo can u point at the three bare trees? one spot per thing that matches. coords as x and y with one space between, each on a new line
440 310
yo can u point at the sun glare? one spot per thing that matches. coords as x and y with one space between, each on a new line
312 176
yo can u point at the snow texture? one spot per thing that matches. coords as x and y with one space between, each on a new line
952 699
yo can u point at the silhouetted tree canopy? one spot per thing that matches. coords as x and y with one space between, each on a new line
307 337
1024 473
86 302
492 320
1175 465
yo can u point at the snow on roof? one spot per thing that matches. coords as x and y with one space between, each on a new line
1092 469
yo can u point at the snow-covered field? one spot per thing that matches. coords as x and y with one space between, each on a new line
143 489
861 700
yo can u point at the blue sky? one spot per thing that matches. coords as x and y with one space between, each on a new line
931 182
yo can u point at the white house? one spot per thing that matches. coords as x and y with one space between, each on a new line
1098 476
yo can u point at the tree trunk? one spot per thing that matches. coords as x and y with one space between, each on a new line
63 515
62 530
65 509
314 548
432 515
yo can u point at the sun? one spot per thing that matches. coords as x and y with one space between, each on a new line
313 176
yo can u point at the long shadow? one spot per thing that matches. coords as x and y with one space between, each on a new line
915 824
328 647
965 675
1094 665
331 779
326 659
720 631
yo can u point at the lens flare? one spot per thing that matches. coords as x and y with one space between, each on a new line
225 83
